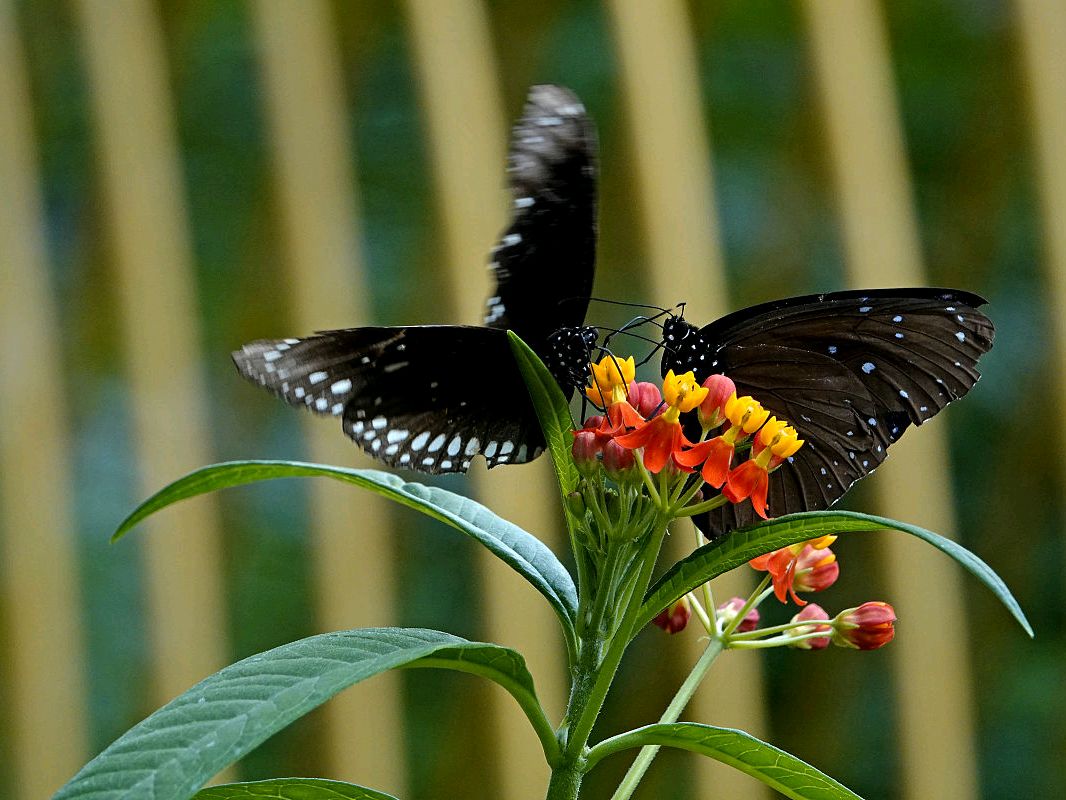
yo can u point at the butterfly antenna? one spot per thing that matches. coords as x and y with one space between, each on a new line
659 309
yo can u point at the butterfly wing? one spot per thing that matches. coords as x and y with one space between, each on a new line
431 397
850 370
544 261
424 397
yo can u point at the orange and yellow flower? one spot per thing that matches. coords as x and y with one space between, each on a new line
661 437
804 557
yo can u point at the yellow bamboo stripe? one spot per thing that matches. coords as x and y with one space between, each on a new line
881 243
457 71
672 154
43 647
1042 28
353 559
155 284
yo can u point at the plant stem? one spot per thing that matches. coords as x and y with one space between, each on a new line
673 711
589 706
566 781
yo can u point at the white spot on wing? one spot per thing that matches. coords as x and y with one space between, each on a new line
379 423
321 404
340 387
868 367
437 443
317 377
472 446
420 441
507 448
454 445
397 435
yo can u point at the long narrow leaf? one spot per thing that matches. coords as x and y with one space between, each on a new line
552 410
291 789
522 551
774 767
740 546
181 746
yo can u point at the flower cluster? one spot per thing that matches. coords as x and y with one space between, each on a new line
640 418
804 567
640 443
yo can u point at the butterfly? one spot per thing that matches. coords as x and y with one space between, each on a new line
432 397
851 371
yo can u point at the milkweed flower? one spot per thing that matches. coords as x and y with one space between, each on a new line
807 557
727 612
674 617
776 441
815 569
661 437
610 380
868 627
815 613
745 415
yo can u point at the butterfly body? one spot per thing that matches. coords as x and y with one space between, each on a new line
849 370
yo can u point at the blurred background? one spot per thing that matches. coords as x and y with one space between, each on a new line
177 178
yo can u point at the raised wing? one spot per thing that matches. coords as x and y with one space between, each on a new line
545 259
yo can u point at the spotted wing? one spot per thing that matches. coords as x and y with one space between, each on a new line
851 370
544 261
424 397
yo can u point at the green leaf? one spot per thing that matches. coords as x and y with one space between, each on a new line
774 767
740 546
553 411
522 551
181 746
291 789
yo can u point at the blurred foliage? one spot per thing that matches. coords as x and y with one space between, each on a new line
964 114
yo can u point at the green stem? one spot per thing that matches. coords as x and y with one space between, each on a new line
673 711
699 508
589 707
565 783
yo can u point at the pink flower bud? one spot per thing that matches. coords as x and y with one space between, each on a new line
712 409
812 611
619 462
676 617
645 398
728 611
586 452
868 627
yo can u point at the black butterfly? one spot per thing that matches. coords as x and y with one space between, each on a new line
850 370
431 397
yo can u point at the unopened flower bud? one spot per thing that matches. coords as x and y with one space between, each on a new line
868 627
712 409
575 503
674 618
594 423
645 398
727 612
619 462
813 612
586 452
